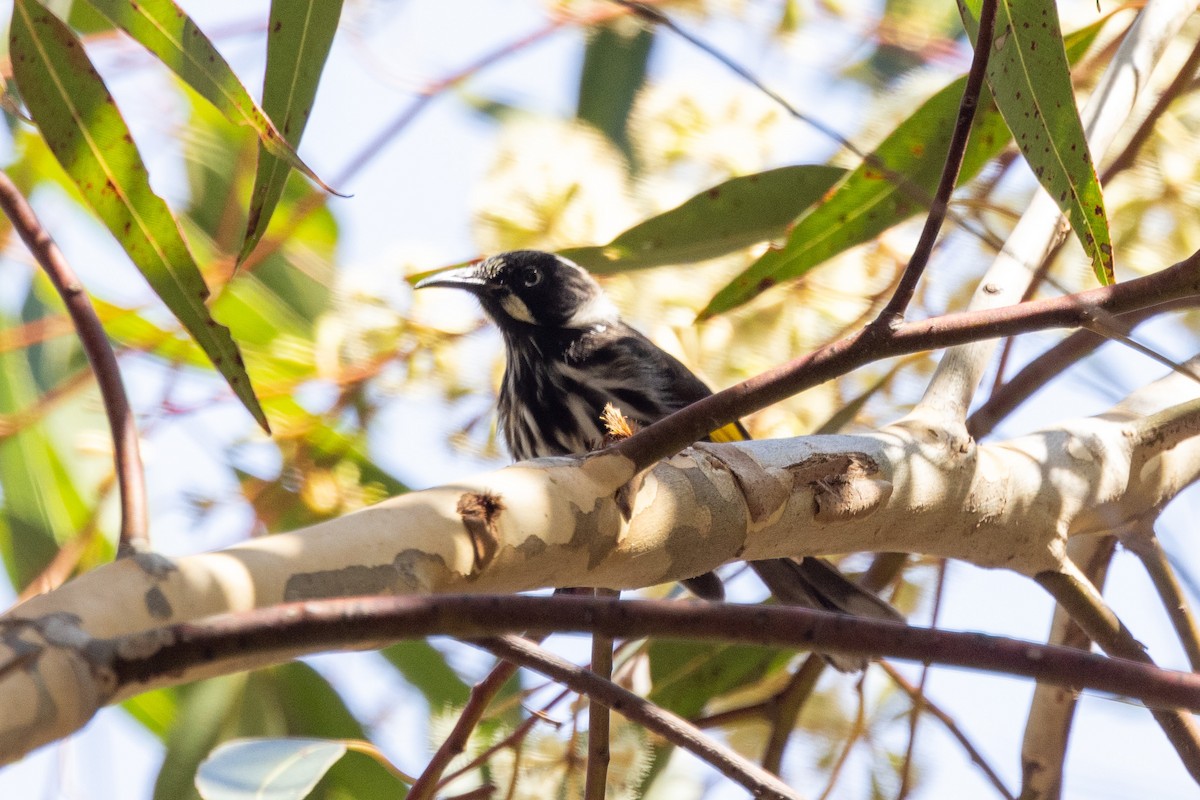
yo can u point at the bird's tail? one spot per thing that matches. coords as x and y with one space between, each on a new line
817 584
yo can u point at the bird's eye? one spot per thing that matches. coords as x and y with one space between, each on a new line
531 276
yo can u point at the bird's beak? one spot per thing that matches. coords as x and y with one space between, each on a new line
467 278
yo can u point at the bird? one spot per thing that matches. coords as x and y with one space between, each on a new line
568 354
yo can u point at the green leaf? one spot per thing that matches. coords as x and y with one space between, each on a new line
686 675
165 30
740 212
156 710
300 34
266 769
614 69
896 183
204 717
1030 77
309 706
423 666
85 131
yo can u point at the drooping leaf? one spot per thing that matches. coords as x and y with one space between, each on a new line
614 69
298 42
81 123
164 29
266 769
1030 78
895 183
740 212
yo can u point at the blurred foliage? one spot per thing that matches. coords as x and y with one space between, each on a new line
333 348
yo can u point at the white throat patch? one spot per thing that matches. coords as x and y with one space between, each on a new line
515 307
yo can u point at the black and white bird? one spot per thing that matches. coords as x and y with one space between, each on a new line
568 354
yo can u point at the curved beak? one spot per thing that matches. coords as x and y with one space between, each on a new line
467 278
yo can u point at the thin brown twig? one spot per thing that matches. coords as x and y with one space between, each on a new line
876 342
455 743
1180 84
1104 628
950 169
884 569
785 710
1143 543
596 780
511 740
903 183
260 635
929 707
1052 363
919 698
127 459
674 729
856 732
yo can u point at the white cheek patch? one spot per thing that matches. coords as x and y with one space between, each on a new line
597 311
515 307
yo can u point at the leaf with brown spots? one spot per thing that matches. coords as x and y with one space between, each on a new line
84 129
1030 77
298 40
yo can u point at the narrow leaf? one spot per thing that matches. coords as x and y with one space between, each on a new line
165 30
85 131
888 188
266 769
614 69
301 33
1030 77
740 212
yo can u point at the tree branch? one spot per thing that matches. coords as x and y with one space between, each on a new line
954 158
674 729
668 436
127 458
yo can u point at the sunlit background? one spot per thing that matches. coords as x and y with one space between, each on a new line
496 160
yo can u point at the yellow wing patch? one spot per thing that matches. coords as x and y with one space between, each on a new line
733 432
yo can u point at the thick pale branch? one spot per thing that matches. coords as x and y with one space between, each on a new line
594 521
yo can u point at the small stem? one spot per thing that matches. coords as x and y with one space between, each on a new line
875 343
674 729
598 717
950 169
941 716
1076 595
1146 546
127 458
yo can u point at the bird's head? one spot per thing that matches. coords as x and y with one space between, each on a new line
529 287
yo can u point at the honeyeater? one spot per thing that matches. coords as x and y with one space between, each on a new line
568 354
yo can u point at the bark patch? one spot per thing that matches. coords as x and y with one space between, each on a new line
479 512
843 485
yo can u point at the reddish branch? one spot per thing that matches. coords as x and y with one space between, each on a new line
127 457
950 169
879 341
340 622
